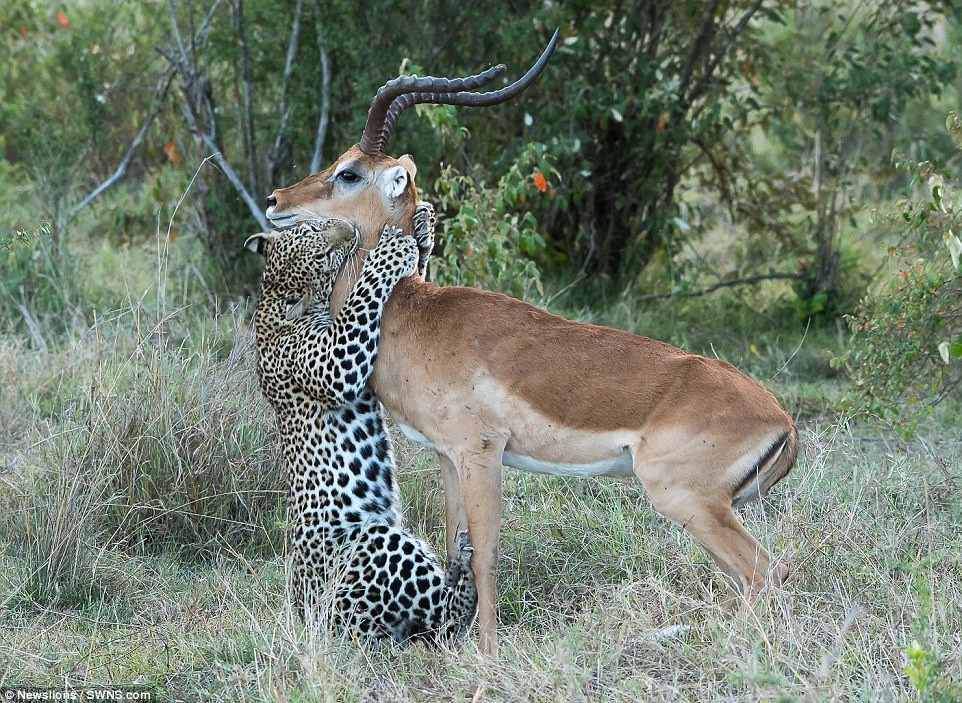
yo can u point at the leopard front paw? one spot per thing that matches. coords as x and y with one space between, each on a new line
424 223
465 550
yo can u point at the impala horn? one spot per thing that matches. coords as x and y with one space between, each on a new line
397 95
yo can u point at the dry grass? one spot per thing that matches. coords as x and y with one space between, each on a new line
140 542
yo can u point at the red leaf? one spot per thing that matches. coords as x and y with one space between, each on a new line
171 150
62 18
540 182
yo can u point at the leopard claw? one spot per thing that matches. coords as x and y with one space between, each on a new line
465 550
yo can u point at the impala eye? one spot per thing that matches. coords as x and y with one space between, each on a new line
348 176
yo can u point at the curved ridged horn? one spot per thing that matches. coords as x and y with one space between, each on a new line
397 95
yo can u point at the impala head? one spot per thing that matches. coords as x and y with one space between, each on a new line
372 190
367 186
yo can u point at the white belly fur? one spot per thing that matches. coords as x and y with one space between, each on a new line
619 465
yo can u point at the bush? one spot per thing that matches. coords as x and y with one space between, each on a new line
36 286
19 236
905 351
488 235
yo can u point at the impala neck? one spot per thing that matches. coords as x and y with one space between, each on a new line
351 269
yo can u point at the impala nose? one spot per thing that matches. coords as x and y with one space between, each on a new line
271 201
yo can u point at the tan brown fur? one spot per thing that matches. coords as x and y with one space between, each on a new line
478 374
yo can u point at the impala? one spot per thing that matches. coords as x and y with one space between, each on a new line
486 380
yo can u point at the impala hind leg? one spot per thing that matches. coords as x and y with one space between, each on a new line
714 524
736 552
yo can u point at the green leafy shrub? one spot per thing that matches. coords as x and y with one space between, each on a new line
490 239
905 354
20 236
36 286
928 674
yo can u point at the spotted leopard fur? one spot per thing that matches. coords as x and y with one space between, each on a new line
352 563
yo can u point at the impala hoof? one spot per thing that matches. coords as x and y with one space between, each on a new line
780 573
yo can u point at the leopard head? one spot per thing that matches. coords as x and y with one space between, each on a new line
301 264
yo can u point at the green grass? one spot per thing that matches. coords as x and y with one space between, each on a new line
141 533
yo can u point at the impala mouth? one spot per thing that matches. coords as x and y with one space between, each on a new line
280 220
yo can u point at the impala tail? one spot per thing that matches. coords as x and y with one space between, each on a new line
771 468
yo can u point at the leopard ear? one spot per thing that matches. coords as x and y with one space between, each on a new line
299 308
257 243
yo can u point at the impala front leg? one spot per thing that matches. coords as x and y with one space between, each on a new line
478 475
455 518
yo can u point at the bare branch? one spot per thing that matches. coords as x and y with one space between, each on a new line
175 29
250 145
750 281
325 99
699 46
35 328
276 154
208 140
720 54
163 85
160 94
256 210
722 173
197 105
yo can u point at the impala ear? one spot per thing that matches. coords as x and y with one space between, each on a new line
257 243
396 181
408 163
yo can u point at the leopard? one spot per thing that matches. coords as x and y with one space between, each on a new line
352 563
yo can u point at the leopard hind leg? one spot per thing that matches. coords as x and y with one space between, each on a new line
462 589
